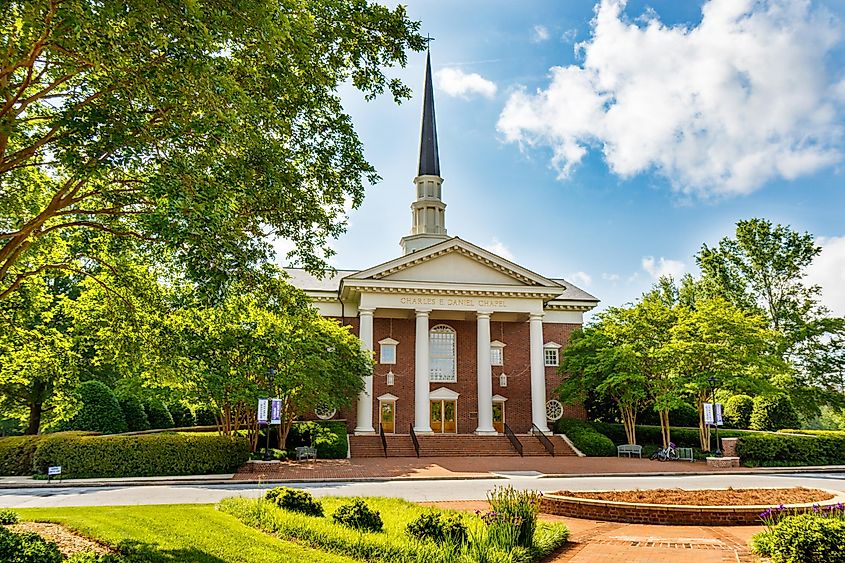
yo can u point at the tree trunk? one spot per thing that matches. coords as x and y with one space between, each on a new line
629 421
35 410
703 429
664 427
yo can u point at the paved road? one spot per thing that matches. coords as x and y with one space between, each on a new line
410 490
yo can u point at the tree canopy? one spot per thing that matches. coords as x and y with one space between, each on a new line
204 128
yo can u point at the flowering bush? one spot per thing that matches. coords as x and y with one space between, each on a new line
809 537
517 509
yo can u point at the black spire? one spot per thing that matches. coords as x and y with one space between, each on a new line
429 155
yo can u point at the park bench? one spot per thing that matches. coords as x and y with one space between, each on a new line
685 454
629 450
305 452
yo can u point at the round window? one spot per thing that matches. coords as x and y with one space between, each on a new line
554 410
325 413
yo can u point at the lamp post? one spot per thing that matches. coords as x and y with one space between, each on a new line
270 373
712 381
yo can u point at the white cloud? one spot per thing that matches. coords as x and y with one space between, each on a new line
498 248
611 277
663 267
828 271
718 109
540 33
580 278
569 35
455 82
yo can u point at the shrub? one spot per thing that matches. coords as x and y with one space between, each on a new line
329 437
738 411
585 437
27 547
205 417
773 412
359 516
99 411
8 517
16 455
651 435
133 412
145 455
295 500
684 414
789 449
437 527
518 509
158 414
182 415
804 538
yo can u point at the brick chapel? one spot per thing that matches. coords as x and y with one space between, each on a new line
465 341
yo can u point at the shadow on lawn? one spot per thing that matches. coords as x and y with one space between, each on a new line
140 552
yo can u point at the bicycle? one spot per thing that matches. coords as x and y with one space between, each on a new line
666 454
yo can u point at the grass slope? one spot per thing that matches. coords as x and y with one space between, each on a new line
185 533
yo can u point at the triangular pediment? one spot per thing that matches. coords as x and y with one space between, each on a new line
455 261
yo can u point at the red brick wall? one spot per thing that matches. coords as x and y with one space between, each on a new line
516 366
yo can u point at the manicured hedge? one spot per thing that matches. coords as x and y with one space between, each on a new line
328 436
137 456
786 450
16 452
585 437
834 433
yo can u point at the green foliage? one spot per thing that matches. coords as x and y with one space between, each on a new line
652 436
91 557
99 410
804 538
834 433
205 416
27 547
16 454
438 527
329 437
585 437
357 515
296 500
517 508
683 414
181 414
137 456
134 413
158 414
773 412
786 449
8 517
738 411
245 101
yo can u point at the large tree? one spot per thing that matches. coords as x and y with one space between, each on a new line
762 270
202 127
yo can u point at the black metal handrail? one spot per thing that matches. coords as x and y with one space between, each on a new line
415 441
543 439
383 438
517 445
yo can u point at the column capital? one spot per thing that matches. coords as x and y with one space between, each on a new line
366 310
483 314
536 316
422 312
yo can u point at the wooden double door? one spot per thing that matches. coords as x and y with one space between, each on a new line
444 417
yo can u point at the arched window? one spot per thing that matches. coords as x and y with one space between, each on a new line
441 351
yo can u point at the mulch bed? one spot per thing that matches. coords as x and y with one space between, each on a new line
708 497
69 542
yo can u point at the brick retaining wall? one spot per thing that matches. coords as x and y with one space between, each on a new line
634 513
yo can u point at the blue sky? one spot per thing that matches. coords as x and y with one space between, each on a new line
664 123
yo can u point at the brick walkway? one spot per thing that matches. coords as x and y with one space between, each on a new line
610 542
455 467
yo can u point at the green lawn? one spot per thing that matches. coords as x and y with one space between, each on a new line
185 533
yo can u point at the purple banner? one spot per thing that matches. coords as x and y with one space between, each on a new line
275 411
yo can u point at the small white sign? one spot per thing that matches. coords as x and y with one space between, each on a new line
56 470
719 421
263 408
275 411
708 414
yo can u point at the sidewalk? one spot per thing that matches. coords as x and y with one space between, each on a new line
430 468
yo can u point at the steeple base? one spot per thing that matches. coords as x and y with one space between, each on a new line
412 243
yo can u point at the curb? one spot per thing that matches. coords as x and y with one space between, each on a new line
746 471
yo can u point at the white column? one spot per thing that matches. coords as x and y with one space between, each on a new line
364 424
485 376
538 373
422 406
